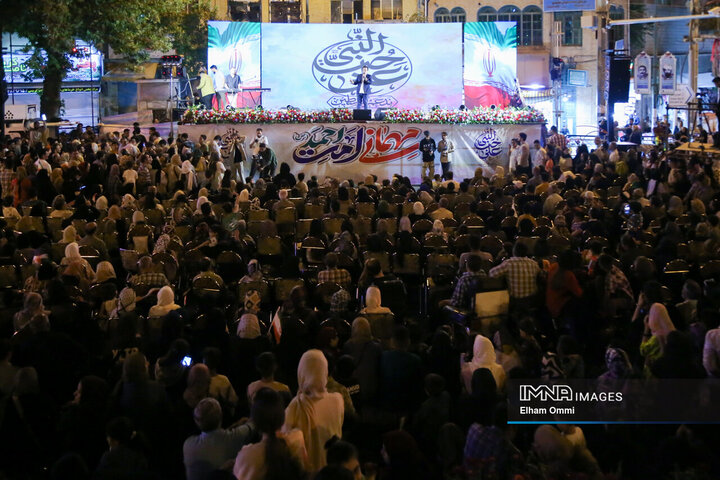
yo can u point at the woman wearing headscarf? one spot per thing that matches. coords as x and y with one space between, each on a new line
32 306
498 180
373 301
245 346
113 186
165 303
105 272
438 229
249 327
125 304
675 207
418 213
59 208
314 411
278 456
560 457
198 385
254 272
142 400
128 202
658 326
69 235
366 353
483 357
81 266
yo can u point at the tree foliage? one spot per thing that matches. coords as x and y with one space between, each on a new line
130 27
191 35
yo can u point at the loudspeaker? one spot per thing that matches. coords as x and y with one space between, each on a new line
380 114
619 85
362 114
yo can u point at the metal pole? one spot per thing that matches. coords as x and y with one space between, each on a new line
557 84
170 106
92 100
693 51
12 73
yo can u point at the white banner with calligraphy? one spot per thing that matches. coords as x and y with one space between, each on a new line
354 150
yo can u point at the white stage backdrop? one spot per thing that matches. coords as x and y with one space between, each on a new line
354 150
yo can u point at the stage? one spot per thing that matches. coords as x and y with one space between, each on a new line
354 149
330 143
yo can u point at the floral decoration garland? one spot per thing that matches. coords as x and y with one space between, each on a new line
482 115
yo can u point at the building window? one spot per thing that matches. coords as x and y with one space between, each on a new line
385 9
457 14
509 13
531 28
571 28
442 15
487 14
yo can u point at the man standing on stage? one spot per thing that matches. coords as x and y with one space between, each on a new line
259 139
205 87
428 147
268 161
363 81
233 82
219 85
446 149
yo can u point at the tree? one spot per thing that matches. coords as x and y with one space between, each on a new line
130 27
191 35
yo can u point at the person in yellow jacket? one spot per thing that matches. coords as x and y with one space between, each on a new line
206 89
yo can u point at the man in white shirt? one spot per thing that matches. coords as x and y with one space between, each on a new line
446 149
219 85
524 152
41 163
216 146
255 147
540 156
614 153
515 152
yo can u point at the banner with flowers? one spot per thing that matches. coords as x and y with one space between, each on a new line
354 150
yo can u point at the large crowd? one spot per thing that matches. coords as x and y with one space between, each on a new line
161 317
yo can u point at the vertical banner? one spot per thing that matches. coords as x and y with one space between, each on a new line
490 63
668 74
643 65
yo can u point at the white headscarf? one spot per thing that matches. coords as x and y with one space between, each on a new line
373 301
418 208
200 202
101 203
165 297
72 251
128 201
483 357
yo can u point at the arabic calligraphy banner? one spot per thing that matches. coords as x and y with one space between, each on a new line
353 150
490 76
312 65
